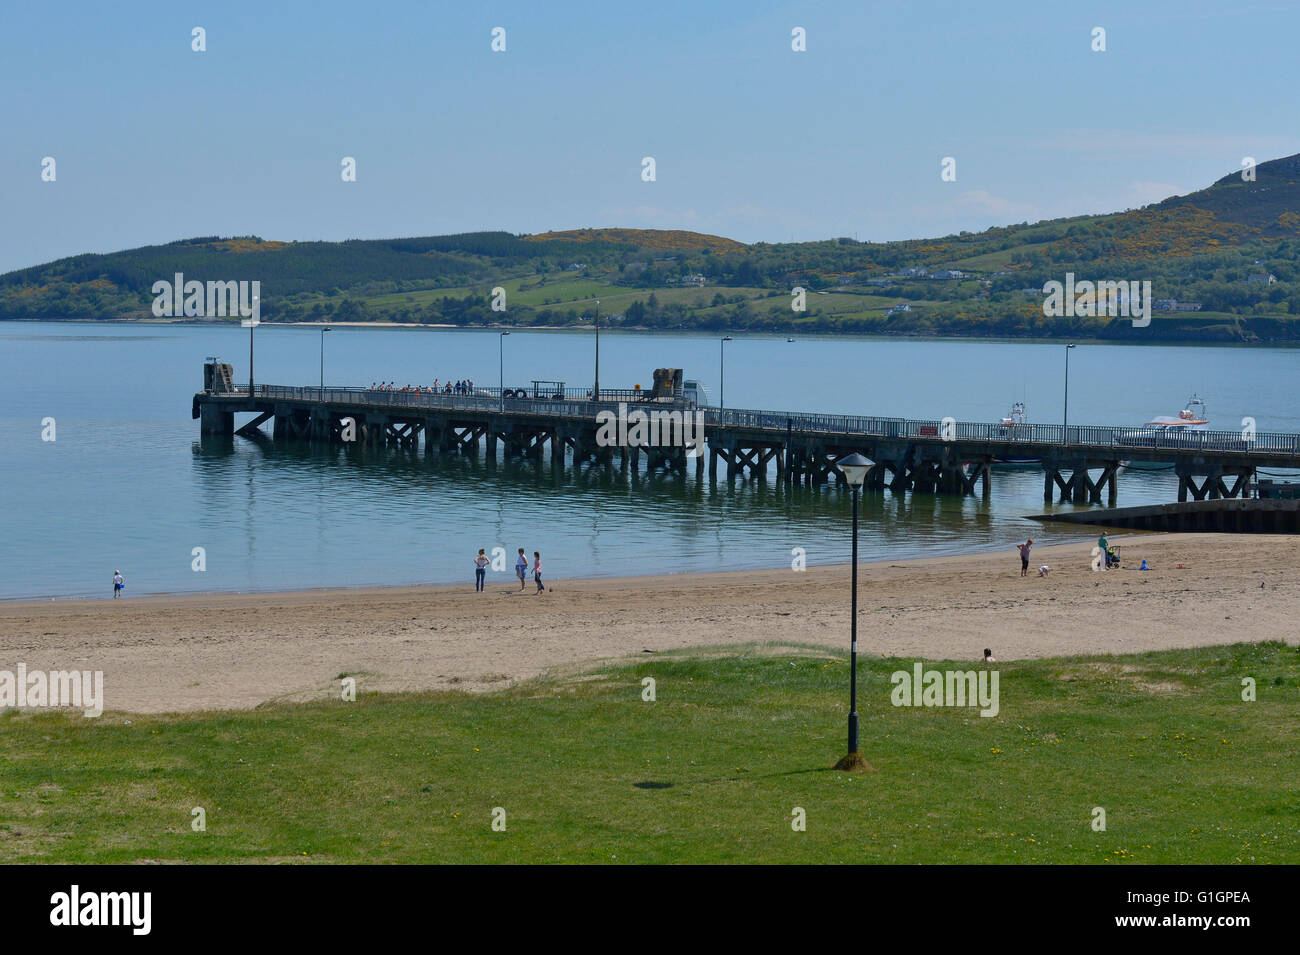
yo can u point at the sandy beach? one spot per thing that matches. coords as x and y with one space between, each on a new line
223 651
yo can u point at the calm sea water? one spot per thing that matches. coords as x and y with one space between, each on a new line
128 485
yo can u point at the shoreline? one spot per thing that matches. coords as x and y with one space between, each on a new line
695 332
1087 532
204 652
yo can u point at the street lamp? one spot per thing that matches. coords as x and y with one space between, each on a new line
722 371
501 359
322 360
1065 419
855 468
250 324
595 392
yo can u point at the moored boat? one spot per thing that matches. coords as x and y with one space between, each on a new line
1014 426
1167 431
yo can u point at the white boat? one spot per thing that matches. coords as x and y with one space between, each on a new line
1012 427
1166 431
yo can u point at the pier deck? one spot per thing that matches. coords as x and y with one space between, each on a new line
911 454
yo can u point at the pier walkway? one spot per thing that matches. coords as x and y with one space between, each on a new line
936 456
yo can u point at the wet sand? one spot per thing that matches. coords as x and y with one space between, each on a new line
185 653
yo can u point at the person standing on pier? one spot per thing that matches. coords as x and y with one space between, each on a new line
521 568
118 584
1024 556
537 572
480 570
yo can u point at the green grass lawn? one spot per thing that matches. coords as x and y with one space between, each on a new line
711 771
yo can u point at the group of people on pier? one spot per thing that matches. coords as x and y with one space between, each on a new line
462 387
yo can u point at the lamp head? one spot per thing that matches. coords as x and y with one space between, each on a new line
855 468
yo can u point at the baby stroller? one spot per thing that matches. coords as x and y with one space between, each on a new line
1112 556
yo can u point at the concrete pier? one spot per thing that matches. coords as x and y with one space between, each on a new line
1241 516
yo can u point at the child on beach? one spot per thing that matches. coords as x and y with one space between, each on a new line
480 570
537 572
1024 556
988 656
1044 570
118 584
521 568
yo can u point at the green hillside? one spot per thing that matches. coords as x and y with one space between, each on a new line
1228 254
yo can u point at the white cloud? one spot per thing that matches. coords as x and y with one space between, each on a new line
1161 144
985 203
651 217
1145 193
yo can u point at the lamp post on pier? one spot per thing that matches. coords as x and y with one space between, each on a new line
250 324
501 363
322 360
1065 419
722 371
595 392
855 468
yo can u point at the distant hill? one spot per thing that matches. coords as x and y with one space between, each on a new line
1269 204
1222 262
651 239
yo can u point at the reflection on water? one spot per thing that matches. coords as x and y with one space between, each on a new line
313 515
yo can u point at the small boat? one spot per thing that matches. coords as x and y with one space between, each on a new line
1010 428
1167 431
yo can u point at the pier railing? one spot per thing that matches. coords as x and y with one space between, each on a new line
846 427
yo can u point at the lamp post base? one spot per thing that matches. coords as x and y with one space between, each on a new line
854 763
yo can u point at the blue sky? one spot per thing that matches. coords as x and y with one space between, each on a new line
752 140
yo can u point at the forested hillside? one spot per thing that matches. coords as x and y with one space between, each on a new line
1223 262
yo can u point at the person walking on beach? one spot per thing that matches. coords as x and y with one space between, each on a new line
480 571
1104 546
1024 556
118 584
537 572
521 568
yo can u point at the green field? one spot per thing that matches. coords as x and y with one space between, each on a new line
579 293
711 771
